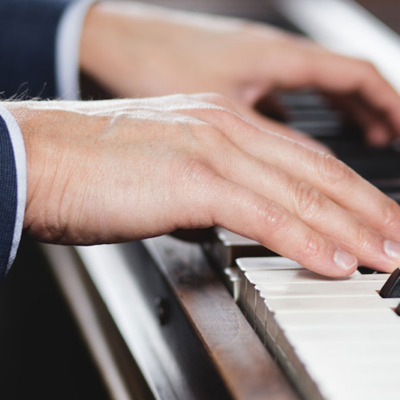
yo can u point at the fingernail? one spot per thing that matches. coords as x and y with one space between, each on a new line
392 249
344 260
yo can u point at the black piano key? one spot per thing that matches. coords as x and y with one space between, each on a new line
394 196
391 187
387 185
316 115
308 111
397 310
302 100
391 288
368 271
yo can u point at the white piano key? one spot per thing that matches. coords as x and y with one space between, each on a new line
233 239
232 274
354 367
385 317
370 347
391 302
377 369
324 289
347 387
340 378
267 263
265 310
324 303
386 391
351 352
354 370
304 276
228 246
344 334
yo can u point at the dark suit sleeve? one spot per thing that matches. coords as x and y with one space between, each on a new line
8 196
27 45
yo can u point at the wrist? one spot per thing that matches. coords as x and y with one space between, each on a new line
48 131
29 120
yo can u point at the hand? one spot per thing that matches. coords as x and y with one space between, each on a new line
121 170
137 50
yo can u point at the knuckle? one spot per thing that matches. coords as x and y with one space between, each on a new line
209 140
194 187
368 73
311 248
308 200
332 171
214 135
188 171
273 216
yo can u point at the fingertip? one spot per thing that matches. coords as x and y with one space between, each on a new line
345 262
378 136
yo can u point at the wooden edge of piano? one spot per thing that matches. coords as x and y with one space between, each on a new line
160 324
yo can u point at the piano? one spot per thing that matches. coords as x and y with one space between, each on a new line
226 318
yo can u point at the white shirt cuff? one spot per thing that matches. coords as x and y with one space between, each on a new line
67 49
20 165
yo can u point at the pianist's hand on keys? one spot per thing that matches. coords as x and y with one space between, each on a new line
121 170
141 50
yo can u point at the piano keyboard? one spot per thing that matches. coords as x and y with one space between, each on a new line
308 112
337 339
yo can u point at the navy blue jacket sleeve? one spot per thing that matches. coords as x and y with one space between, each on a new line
27 47
8 196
